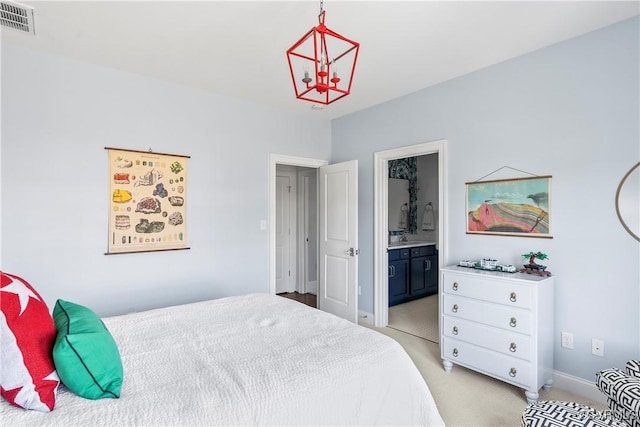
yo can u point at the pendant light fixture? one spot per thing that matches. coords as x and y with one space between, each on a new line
322 64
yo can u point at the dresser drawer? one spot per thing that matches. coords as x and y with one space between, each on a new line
491 290
509 369
509 343
507 318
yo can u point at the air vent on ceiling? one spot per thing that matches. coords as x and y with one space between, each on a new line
17 16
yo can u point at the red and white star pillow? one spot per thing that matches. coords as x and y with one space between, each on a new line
27 374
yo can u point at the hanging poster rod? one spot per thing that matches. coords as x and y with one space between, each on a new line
148 151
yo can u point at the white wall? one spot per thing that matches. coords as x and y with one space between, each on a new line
570 111
57 117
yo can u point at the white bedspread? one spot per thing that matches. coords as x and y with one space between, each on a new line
251 360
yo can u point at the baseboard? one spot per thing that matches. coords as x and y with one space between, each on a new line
365 317
578 386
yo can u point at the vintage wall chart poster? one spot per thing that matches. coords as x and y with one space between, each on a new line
147 201
510 207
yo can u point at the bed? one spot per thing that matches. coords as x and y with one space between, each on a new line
249 360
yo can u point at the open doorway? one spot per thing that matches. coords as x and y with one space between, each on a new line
413 240
381 218
337 213
296 234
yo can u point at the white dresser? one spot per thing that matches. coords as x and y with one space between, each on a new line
499 324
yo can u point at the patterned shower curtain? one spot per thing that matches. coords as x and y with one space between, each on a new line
408 169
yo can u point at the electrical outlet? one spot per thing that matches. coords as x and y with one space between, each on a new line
567 340
597 347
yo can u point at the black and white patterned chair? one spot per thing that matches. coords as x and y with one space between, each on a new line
622 389
557 413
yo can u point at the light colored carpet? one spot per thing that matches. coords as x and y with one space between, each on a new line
467 398
418 317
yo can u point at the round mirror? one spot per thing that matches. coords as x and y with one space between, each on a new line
628 201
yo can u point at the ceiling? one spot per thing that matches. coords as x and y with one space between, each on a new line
237 48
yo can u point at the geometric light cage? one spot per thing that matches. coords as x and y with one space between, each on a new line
322 64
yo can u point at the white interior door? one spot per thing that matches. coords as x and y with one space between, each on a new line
338 215
283 236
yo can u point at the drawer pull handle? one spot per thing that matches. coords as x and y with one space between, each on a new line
513 322
454 308
513 297
455 330
513 372
455 352
455 286
512 347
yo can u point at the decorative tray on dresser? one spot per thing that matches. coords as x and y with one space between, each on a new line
499 324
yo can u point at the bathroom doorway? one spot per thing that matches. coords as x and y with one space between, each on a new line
381 224
412 251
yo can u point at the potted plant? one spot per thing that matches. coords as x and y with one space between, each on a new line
532 261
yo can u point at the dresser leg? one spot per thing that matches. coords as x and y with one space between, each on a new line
547 385
447 365
532 396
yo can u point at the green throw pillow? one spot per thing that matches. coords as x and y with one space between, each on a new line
85 355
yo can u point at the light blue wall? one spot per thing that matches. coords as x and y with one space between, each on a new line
570 111
57 117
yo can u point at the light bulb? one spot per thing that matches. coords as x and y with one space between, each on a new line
306 78
335 79
323 65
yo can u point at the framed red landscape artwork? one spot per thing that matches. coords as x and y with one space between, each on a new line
510 207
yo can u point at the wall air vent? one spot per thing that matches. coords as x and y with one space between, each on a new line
17 16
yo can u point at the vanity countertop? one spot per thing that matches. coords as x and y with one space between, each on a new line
409 244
